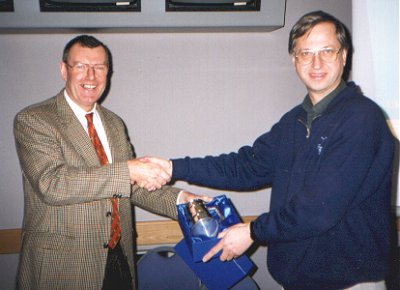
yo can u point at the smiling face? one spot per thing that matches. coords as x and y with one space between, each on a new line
320 77
84 86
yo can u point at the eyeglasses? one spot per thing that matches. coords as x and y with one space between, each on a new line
306 56
79 67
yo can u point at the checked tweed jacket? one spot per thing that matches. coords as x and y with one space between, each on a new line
66 197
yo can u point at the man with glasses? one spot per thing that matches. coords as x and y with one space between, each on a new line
80 180
329 163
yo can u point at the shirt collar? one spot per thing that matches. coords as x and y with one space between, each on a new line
320 107
78 111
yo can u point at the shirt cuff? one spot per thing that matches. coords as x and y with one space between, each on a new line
179 196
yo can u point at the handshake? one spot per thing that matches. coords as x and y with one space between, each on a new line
150 173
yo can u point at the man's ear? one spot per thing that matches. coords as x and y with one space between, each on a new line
63 70
293 58
344 56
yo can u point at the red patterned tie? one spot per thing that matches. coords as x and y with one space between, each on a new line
101 154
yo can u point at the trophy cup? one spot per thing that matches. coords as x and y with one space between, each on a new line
204 225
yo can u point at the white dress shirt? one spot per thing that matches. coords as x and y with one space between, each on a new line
81 113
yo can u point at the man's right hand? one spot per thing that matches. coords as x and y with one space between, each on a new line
164 163
148 175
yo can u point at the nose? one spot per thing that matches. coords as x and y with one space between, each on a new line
90 72
316 61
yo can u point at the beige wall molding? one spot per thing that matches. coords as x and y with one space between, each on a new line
149 233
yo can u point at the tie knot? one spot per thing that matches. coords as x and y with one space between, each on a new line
89 117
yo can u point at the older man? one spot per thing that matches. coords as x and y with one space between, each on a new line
78 170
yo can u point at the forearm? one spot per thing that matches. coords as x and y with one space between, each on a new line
64 185
226 171
162 201
59 172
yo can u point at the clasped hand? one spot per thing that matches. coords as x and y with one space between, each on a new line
150 173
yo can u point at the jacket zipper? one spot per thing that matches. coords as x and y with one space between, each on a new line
308 128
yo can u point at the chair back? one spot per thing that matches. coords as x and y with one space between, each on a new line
162 269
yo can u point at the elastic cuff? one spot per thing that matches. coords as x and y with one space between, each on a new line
252 233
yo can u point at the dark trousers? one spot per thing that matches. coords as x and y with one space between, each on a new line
117 275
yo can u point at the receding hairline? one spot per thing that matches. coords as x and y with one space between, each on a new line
78 44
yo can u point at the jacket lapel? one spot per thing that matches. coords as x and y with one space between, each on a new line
75 134
112 133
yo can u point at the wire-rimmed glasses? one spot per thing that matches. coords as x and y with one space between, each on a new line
306 56
79 67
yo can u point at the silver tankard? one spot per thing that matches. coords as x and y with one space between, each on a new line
203 223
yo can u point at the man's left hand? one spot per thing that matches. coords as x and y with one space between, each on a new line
234 242
185 197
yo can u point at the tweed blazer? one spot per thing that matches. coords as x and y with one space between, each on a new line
67 197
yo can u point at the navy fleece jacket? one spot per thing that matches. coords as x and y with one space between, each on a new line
329 221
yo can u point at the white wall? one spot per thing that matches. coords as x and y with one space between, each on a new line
179 93
376 61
